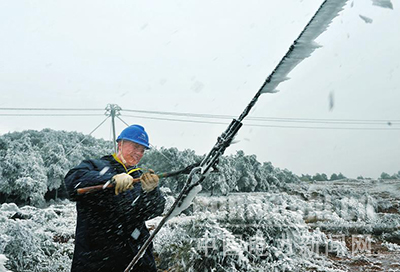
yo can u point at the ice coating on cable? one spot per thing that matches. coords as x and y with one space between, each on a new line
366 19
186 201
383 3
305 44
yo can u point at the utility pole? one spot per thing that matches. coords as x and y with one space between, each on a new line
113 111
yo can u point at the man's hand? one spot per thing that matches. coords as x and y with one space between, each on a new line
149 181
123 182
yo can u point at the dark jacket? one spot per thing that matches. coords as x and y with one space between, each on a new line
110 229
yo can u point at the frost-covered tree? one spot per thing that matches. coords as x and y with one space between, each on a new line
320 177
234 173
35 162
166 160
385 176
219 186
55 163
285 176
333 177
305 177
341 176
247 167
224 179
24 177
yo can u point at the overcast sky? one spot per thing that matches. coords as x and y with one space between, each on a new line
210 57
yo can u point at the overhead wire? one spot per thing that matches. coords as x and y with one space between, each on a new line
50 115
122 121
270 119
177 120
202 118
84 138
50 109
261 125
152 146
203 115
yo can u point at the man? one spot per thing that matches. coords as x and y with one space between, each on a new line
111 223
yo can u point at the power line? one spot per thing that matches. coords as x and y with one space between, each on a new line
340 128
50 109
123 121
269 119
258 125
324 121
203 115
86 136
185 116
177 120
50 115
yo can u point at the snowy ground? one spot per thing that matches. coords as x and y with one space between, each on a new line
346 225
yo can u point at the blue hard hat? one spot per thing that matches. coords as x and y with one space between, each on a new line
136 134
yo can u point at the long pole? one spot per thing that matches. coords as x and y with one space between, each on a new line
113 128
301 48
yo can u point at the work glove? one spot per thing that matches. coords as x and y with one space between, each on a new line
123 182
149 181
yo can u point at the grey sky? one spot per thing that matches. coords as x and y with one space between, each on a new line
209 57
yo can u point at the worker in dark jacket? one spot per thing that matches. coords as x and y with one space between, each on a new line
111 223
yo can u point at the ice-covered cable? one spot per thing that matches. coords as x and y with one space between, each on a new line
186 202
305 44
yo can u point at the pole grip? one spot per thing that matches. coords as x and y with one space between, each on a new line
97 188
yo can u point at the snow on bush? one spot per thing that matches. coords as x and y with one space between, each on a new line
36 239
245 232
3 260
303 227
353 206
391 246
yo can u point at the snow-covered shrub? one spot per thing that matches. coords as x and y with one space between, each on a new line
277 236
246 232
200 244
391 246
43 242
394 235
351 207
3 260
165 160
306 228
35 162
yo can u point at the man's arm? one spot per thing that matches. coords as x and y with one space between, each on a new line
84 175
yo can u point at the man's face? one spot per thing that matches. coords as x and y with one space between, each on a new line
131 152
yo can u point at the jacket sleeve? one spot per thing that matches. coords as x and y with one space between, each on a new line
84 175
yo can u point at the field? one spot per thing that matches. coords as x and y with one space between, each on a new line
346 225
